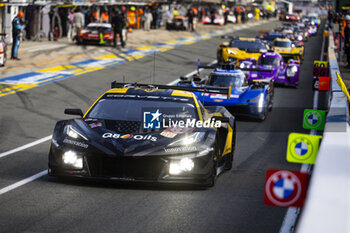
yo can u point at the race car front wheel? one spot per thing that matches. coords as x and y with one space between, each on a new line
265 109
219 57
212 176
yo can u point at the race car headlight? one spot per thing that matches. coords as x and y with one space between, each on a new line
229 51
194 138
300 37
184 165
71 158
242 65
260 101
291 71
73 133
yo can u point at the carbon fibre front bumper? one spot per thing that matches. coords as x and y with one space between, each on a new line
153 169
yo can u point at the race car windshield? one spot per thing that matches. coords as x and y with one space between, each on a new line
248 46
285 44
131 109
268 61
226 80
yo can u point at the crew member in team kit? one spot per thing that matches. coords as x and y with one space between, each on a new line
17 27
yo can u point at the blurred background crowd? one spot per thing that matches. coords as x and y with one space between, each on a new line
55 19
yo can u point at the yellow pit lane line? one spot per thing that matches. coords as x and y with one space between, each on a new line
10 88
147 48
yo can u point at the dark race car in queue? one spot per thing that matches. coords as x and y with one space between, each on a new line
113 141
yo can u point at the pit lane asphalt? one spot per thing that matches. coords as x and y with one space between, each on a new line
235 204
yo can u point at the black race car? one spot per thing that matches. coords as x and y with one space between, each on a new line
147 133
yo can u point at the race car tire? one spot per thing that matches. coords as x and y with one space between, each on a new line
262 117
219 57
212 176
270 104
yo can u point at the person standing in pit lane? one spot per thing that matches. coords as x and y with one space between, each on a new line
190 17
78 20
17 27
70 33
118 22
148 20
347 39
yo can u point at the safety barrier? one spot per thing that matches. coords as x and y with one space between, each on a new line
327 207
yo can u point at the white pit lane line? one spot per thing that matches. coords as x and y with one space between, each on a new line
39 141
22 182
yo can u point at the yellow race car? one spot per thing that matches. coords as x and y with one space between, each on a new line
146 133
288 49
239 49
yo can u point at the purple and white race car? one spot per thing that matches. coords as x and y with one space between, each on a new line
276 68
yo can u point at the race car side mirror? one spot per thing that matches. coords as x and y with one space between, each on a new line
183 78
73 111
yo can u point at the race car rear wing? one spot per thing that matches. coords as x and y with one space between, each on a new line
233 67
294 56
258 83
204 89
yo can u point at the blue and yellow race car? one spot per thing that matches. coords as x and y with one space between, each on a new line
251 99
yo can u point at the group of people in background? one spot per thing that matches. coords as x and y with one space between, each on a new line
150 17
340 25
68 21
